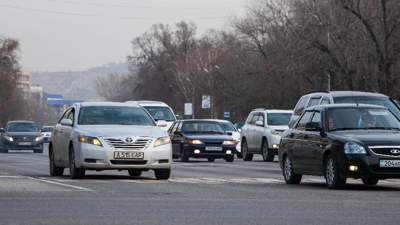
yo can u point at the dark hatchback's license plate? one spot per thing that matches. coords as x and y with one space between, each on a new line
389 163
128 155
213 148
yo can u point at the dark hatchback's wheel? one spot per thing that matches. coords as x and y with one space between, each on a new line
245 152
75 173
211 159
162 174
288 173
230 158
266 153
332 174
370 181
184 156
54 170
134 173
38 151
239 155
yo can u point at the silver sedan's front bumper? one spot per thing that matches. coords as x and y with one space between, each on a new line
102 158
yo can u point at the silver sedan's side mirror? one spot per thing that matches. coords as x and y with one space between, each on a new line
162 123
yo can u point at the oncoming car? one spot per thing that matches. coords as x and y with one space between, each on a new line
342 141
160 111
106 135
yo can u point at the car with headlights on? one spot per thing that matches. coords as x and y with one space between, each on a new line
109 136
21 135
229 128
201 138
341 141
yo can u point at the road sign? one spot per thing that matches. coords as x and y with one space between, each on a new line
227 115
206 102
188 109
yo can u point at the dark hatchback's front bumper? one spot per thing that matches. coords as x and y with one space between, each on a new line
190 151
368 166
36 146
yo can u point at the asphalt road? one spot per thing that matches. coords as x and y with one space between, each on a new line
199 192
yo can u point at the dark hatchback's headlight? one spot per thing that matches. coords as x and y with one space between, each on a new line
39 139
8 138
194 142
352 148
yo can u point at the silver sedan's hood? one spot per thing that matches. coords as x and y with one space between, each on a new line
121 131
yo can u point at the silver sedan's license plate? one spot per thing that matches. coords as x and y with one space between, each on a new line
213 148
24 143
389 163
128 155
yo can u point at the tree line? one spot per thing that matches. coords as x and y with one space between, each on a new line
278 51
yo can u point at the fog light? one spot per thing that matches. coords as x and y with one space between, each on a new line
353 168
197 151
275 146
228 152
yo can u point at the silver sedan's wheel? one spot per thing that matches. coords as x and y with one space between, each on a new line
288 173
332 174
75 173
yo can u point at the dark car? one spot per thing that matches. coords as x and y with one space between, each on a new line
21 135
342 141
342 97
201 139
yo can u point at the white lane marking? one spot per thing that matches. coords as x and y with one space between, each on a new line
61 184
6 176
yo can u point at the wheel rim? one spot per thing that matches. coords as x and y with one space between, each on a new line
330 171
288 168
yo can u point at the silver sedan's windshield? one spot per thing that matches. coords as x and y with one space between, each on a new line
361 118
111 115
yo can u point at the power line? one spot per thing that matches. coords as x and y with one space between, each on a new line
97 15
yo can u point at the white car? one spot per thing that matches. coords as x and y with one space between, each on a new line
160 111
261 134
109 136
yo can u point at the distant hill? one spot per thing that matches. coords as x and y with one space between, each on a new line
76 84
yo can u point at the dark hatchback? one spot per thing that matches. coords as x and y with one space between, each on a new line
201 139
21 135
342 141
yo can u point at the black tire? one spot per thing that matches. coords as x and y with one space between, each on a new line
266 152
211 159
370 181
239 155
245 152
135 173
230 158
332 174
162 174
288 172
184 155
75 173
53 168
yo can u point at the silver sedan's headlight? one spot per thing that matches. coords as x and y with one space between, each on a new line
8 138
162 141
90 140
354 148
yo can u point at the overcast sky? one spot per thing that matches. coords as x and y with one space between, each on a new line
79 34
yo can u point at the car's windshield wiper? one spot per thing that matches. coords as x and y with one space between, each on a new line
382 128
345 128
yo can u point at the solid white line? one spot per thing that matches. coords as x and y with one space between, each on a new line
61 184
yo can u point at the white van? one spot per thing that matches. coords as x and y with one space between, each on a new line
161 112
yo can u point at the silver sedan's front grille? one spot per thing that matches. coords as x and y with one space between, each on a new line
138 144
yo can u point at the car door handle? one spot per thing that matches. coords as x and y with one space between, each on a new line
291 135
